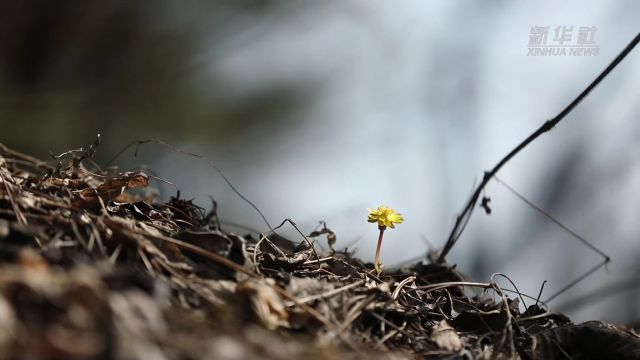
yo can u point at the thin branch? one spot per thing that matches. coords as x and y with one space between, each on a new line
463 218
139 143
599 294
512 284
577 280
306 239
554 220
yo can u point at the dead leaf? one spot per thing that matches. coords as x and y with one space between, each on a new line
266 302
446 337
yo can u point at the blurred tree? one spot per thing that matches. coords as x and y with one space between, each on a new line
71 69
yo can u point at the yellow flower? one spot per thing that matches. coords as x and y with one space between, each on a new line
385 217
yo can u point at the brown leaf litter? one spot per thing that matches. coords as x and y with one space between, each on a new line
93 267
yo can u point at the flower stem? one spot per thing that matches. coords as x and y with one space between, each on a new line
377 263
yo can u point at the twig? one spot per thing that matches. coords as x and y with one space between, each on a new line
398 288
324 259
398 329
463 218
114 255
448 284
508 329
327 294
211 164
29 159
256 248
16 208
512 284
540 292
606 258
554 220
338 330
295 226
354 313
192 248
577 280
600 293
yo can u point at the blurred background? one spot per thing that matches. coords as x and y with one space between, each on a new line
319 110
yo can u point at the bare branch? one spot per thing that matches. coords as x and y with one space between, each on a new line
465 215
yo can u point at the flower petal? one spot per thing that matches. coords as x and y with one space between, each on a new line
384 216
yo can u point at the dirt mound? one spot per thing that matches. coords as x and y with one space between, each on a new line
93 267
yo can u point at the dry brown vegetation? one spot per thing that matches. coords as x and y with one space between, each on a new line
93 267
